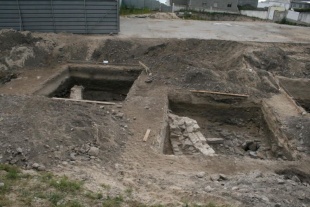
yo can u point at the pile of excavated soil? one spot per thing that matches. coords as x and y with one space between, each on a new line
48 132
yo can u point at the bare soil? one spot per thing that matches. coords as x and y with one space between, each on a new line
58 135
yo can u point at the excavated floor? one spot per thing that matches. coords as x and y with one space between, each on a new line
240 129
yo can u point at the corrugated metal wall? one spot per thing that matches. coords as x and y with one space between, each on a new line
75 16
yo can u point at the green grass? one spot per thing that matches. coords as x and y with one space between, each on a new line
127 11
113 202
12 171
55 197
60 191
65 185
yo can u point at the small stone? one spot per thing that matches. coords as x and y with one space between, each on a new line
223 177
208 189
1 184
93 151
65 163
119 115
215 177
264 198
252 154
280 181
119 106
35 165
41 168
101 107
235 188
200 174
296 179
19 150
277 205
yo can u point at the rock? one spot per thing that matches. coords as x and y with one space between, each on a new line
1 184
223 177
19 150
119 115
215 177
280 181
296 179
35 165
93 151
200 174
65 163
265 198
277 205
235 188
119 106
255 174
72 157
149 80
215 140
41 168
208 189
252 154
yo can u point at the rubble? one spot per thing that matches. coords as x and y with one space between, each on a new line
186 138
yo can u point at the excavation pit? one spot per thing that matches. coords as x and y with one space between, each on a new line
99 83
230 126
299 90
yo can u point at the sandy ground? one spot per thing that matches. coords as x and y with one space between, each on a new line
222 30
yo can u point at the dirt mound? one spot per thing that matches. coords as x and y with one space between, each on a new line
48 132
200 64
10 38
158 15
22 49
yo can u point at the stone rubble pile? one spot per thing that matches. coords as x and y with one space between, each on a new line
186 137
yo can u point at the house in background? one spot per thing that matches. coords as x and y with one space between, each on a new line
274 3
251 3
228 6
295 4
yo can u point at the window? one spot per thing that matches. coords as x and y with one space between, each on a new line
228 5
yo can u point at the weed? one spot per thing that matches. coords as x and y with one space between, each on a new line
128 192
73 203
12 171
95 196
106 186
126 11
113 202
46 177
54 198
65 185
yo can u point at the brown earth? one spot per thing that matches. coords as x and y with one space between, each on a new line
58 134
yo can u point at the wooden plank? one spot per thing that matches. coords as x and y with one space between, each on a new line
146 136
147 69
84 101
220 93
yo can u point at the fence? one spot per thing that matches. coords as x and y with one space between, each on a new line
75 16
277 14
253 13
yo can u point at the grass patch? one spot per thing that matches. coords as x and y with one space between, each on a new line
127 11
113 202
66 185
12 171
